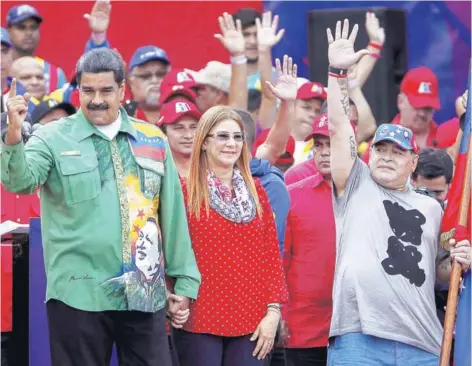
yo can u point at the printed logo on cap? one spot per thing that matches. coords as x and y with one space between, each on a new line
182 77
177 87
156 52
316 89
384 130
182 107
323 121
24 9
425 88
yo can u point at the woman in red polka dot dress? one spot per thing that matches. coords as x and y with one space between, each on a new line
235 318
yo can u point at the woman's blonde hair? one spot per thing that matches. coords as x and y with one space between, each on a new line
197 183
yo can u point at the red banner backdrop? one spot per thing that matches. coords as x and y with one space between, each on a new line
184 29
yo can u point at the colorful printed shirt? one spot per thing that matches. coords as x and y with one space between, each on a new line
113 215
55 77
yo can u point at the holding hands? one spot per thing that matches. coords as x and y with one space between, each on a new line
178 310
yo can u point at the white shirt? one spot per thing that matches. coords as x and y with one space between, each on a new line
112 129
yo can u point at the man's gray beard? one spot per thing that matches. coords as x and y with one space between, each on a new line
152 101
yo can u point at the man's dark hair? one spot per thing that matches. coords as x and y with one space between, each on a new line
434 163
101 60
247 16
249 127
254 100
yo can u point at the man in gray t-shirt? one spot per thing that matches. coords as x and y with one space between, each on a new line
387 236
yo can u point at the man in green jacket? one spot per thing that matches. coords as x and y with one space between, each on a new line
113 222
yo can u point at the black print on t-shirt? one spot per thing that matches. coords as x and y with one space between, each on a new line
406 227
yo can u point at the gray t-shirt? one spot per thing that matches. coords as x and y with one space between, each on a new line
387 246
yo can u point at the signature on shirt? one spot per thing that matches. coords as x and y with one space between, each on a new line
84 277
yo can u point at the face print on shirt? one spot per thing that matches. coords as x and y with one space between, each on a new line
147 256
402 259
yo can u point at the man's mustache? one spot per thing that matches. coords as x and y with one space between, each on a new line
97 107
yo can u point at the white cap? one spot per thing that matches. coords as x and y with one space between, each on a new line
215 74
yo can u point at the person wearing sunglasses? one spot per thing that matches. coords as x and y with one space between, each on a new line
233 235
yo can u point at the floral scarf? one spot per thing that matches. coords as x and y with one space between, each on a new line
241 208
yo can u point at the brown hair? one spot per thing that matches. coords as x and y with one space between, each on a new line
197 178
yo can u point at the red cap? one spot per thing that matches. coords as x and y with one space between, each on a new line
173 111
179 77
169 91
311 91
420 85
321 127
177 82
289 148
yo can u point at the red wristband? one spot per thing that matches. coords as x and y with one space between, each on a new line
337 75
375 45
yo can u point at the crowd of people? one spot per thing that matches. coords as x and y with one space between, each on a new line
235 215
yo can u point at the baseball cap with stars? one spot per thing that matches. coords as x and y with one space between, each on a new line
400 135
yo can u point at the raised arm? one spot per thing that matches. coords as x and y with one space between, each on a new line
341 56
377 38
286 90
366 125
267 37
22 170
99 21
232 39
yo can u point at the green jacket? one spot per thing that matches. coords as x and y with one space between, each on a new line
112 213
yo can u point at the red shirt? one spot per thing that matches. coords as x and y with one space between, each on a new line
300 171
241 271
309 260
17 208
441 137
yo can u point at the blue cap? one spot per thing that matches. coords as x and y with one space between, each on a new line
398 134
6 37
19 13
148 53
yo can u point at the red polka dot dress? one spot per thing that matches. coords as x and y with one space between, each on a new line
241 271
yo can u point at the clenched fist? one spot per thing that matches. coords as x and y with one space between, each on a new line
17 107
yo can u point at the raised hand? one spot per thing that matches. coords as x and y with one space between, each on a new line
17 107
286 86
341 53
99 17
374 31
267 35
231 36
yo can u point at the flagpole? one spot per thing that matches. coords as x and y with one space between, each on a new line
451 307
